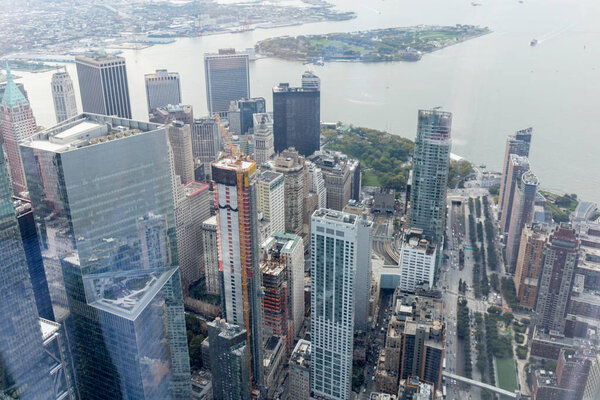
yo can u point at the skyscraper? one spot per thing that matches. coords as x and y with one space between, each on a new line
517 144
529 263
162 88
297 118
229 357
263 138
341 177
287 250
63 94
22 370
241 114
271 201
291 164
517 166
556 279
103 85
210 252
16 125
333 267
206 141
417 260
423 351
173 112
431 163
522 214
101 193
180 140
227 79
362 282
237 230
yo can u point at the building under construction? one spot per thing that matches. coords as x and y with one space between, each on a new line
275 301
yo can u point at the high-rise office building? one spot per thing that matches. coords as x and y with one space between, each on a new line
16 124
191 210
423 351
271 202
522 214
227 79
287 250
103 85
362 280
297 118
241 114
162 88
556 279
63 94
517 166
299 385
316 184
237 229
310 81
229 361
333 268
33 254
101 192
341 177
173 112
517 144
417 260
206 141
180 140
22 364
263 138
211 256
431 163
529 264
291 164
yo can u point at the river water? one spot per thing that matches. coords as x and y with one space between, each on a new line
494 85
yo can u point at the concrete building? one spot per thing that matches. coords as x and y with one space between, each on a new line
63 95
241 114
206 141
592 386
310 81
517 144
229 361
417 260
180 140
227 79
109 234
173 112
556 279
162 88
573 369
191 210
431 163
341 175
291 164
362 280
103 85
210 253
316 184
529 264
333 265
271 202
522 214
237 229
287 250
299 367
274 357
17 124
263 138
517 166
297 118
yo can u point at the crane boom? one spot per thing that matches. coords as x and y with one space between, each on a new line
225 134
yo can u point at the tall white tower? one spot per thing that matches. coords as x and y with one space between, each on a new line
63 94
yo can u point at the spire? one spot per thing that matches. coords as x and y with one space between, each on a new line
12 93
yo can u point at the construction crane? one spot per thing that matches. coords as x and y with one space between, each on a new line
232 150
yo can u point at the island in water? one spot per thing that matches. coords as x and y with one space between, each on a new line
392 44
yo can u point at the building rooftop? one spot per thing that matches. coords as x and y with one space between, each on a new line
234 164
49 328
227 330
335 216
270 176
414 239
210 221
12 94
87 130
99 59
194 188
301 354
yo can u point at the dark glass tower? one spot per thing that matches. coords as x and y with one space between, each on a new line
22 368
296 118
103 85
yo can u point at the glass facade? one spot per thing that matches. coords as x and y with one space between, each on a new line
22 372
101 192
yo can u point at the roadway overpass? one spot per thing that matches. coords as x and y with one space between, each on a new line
515 395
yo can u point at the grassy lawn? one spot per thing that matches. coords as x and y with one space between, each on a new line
370 179
507 378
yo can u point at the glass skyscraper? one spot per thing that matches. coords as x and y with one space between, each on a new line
227 79
102 197
22 367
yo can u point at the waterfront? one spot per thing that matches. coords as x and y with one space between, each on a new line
494 84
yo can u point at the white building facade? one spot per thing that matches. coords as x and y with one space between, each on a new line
417 261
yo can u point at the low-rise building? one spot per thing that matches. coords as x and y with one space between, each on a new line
299 372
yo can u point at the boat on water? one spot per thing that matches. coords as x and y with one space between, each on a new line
533 42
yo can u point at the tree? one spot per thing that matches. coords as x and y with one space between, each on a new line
494 281
196 351
494 190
